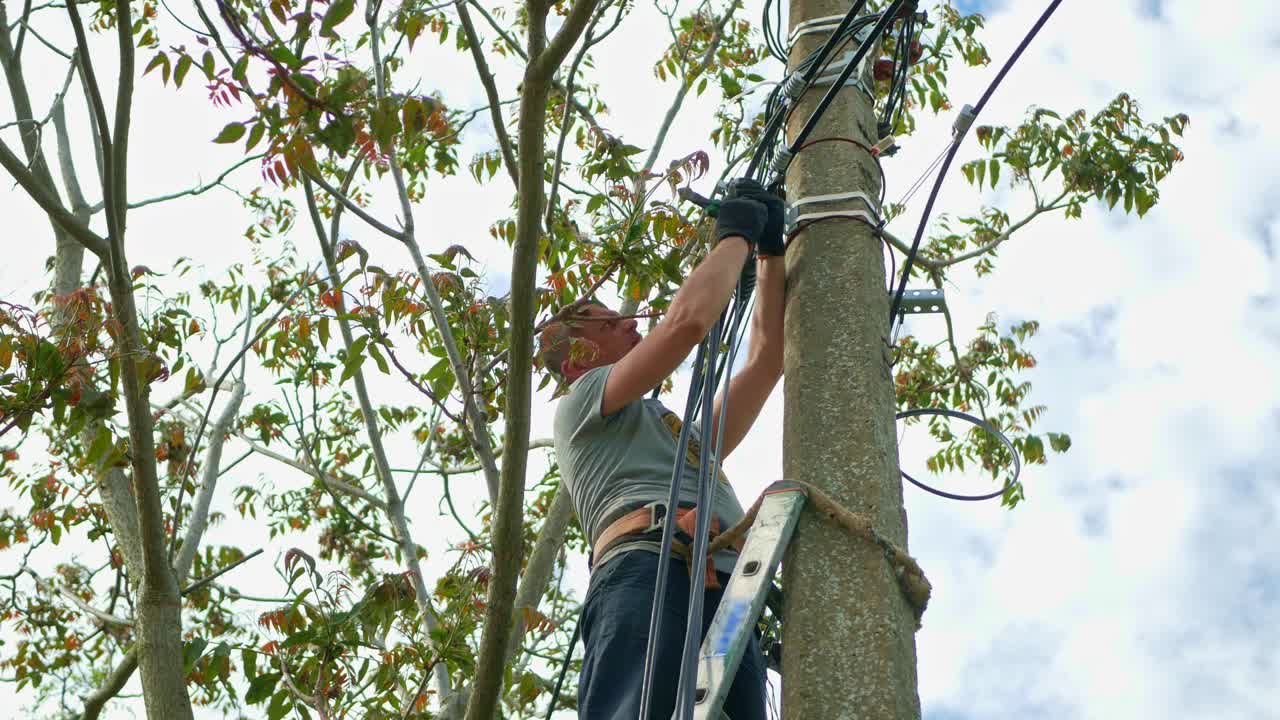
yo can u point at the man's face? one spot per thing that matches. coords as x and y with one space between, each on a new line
611 335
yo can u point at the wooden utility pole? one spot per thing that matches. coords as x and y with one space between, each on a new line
849 634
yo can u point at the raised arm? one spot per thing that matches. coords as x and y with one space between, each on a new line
751 386
693 311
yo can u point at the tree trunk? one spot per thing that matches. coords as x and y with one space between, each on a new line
849 635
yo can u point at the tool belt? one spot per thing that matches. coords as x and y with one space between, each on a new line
645 523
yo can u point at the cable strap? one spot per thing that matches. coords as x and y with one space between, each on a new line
794 216
822 24
911 579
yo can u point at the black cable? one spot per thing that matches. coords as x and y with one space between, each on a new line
701 539
773 30
951 153
1017 463
564 668
885 19
668 532
774 123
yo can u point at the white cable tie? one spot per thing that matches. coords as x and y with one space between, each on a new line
963 121
794 221
885 145
822 24
836 197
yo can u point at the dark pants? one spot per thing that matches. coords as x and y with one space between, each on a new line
615 630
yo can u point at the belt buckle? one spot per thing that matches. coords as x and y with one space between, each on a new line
657 514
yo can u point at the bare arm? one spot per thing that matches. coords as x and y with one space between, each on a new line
701 299
751 387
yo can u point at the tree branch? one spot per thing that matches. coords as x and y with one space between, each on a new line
84 607
329 481
548 61
49 202
220 572
491 90
685 85
65 163
353 207
115 682
197 190
199 518
393 505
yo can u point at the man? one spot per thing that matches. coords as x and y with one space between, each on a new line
616 451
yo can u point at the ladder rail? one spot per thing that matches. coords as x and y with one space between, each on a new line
744 597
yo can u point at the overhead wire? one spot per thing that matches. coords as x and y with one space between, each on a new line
954 147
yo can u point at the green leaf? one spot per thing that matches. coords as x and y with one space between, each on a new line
159 61
381 361
355 358
261 688
239 72
191 651
255 134
980 170
323 329
967 169
249 660
101 446
279 707
231 133
336 13
180 72
1059 442
194 382
1144 201
994 165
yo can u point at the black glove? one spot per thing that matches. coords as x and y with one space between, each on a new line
772 241
741 216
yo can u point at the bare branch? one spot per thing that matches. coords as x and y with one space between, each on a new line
511 41
491 90
65 163
328 480
199 519
353 207
393 505
565 119
197 190
83 606
115 682
49 202
537 573
687 80
220 572
22 33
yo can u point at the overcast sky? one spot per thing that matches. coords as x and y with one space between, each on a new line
1139 578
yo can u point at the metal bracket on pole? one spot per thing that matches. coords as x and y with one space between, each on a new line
918 302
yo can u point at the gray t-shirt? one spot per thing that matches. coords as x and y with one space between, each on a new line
626 460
